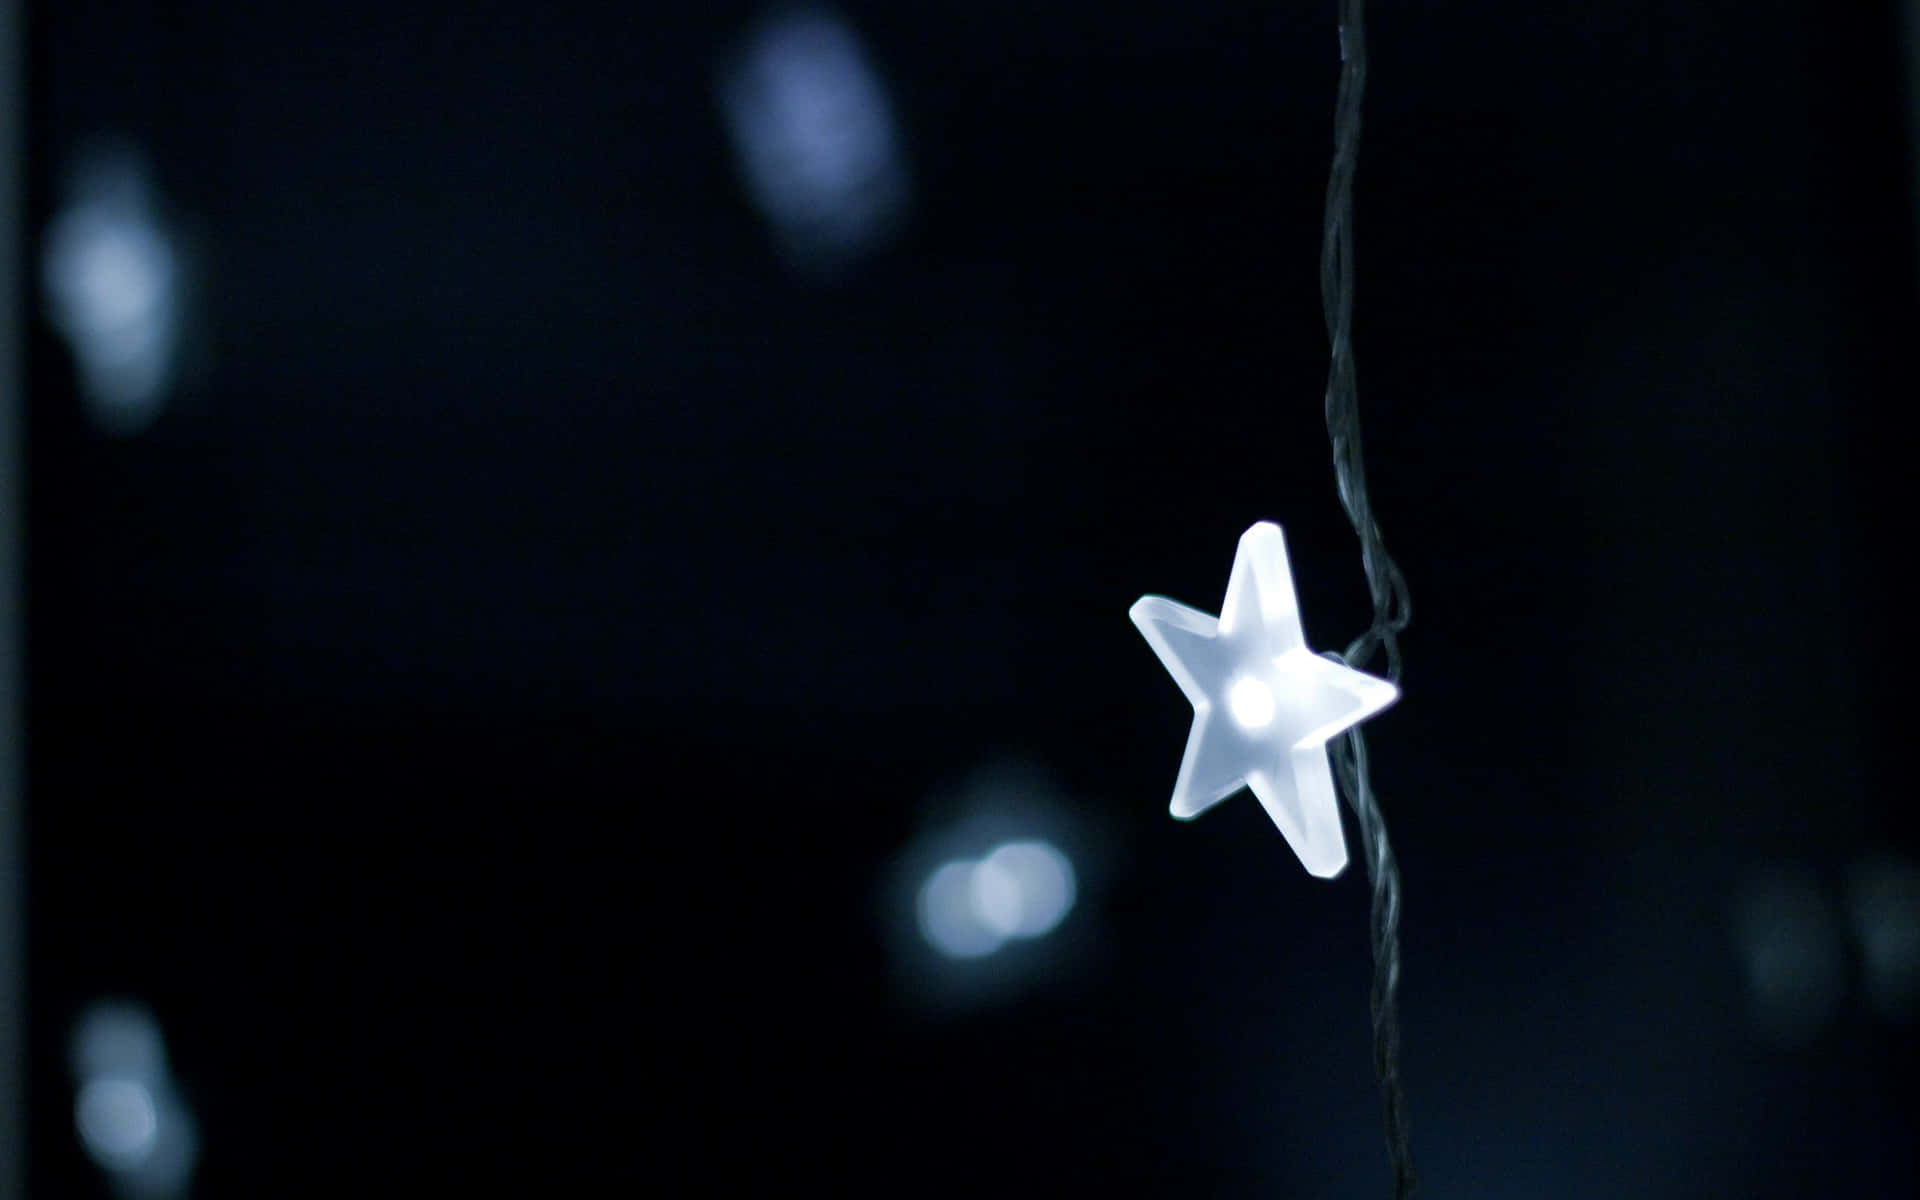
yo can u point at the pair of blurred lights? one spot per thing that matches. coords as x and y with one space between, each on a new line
1794 940
1019 891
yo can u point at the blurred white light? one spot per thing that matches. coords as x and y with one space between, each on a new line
1023 889
996 897
126 1111
815 137
1251 702
949 917
112 283
118 1122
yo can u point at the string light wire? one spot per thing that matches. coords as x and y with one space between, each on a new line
1392 607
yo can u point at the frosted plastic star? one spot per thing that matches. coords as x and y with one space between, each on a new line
1264 706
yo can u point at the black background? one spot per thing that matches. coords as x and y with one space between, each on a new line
479 715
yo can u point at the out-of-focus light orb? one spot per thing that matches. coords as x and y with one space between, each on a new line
127 1112
949 915
118 1122
1251 703
1023 889
997 901
1883 897
113 269
112 281
816 138
1796 965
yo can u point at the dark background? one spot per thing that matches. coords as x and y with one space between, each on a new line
479 715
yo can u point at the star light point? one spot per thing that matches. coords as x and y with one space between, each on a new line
1264 705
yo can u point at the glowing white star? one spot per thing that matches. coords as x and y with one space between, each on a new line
1264 706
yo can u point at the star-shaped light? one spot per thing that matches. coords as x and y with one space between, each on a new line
1264 706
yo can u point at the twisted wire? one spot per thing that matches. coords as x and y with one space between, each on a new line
1349 755
1392 607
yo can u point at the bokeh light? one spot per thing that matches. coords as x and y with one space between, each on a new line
1024 889
127 1110
950 914
1790 944
816 139
118 1122
112 279
971 908
1883 898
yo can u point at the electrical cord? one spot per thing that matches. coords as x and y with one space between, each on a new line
1392 607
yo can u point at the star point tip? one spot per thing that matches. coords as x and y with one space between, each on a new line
1261 531
1329 869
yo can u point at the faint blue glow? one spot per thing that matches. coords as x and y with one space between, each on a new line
1031 889
1790 940
111 277
127 1112
815 137
1883 896
949 918
118 1122
116 1039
